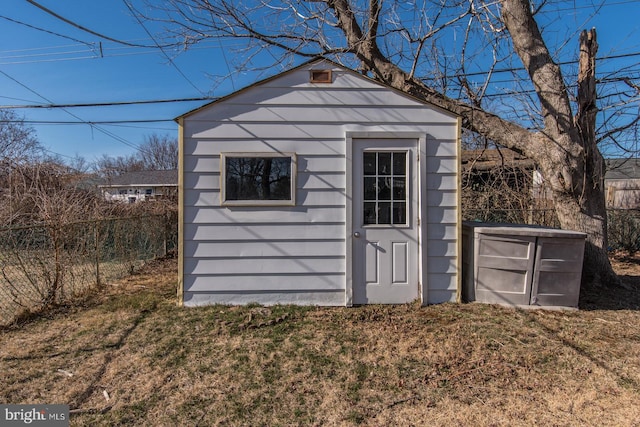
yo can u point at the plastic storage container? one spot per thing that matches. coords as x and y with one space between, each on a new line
521 265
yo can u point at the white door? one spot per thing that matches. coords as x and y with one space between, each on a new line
384 224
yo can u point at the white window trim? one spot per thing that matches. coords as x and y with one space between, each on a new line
223 179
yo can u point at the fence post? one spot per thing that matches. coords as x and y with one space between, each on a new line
167 231
96 236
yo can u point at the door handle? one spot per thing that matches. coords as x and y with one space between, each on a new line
356 234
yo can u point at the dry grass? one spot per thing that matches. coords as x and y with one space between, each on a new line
131 357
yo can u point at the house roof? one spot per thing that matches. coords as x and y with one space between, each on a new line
303 65
622 169
155 178
487 159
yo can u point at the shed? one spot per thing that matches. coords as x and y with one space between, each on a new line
622 181
319 186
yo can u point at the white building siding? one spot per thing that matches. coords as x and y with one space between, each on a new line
442 219
268 255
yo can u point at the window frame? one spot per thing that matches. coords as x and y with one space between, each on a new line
270 202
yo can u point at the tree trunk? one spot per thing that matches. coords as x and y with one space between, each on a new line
597 267
588 215
566 151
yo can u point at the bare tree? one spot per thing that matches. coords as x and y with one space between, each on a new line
18 147
18 142
108 167
159 152
429 49
47 192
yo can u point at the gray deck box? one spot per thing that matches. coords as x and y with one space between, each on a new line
521 265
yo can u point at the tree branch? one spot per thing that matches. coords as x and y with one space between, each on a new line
545 74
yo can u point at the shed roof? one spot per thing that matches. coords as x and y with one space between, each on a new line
306 64
153 178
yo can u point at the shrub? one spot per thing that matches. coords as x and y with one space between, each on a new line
624 231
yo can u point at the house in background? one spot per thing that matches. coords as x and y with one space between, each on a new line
132 187
622 183
319 186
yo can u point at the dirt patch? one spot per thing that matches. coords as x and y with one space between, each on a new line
131 356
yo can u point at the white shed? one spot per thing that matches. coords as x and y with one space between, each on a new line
319 186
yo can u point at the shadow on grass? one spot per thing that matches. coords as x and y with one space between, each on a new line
623 297
612 298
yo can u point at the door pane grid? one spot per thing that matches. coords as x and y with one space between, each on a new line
385 188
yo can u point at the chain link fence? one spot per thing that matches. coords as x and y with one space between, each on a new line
45 265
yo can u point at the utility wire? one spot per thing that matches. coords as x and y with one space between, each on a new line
85 29
87 122
109 104
207 98
136 15
46 31
514 69
93 126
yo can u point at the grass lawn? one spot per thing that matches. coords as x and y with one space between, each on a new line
130 356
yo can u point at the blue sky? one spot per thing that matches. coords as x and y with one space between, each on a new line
37 67
41 68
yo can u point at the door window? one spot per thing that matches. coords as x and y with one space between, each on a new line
385 188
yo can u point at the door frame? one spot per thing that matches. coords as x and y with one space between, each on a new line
420 170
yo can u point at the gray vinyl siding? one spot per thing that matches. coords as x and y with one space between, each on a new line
442 217
270 255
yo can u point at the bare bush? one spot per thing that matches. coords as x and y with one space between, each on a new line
47 265
624 230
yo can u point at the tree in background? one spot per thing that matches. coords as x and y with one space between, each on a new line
432 50
157 152
18 141
109 167
18 147
36 188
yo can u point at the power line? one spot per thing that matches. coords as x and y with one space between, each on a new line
200 46
110 104
608 3
87 122
93 126
514 69
43 30
200 99
135 14
16 99
85 29
210 98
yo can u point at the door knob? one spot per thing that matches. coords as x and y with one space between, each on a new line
356 234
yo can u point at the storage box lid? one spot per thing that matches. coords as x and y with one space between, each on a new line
519 230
